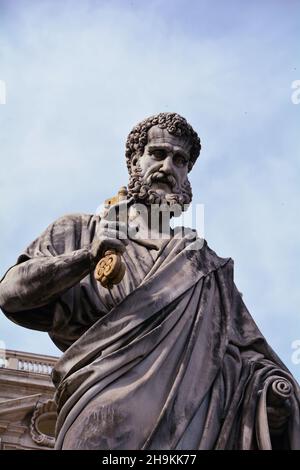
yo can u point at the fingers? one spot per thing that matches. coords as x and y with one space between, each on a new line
106 224
113 244
119 230
113 230
103 244
118 210
114 235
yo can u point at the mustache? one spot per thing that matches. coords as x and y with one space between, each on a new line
161 177
139 187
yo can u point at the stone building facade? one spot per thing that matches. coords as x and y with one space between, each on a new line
27 410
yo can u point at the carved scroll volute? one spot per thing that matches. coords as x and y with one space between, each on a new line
275 392
110 269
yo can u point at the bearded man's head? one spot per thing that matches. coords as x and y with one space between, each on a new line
160 151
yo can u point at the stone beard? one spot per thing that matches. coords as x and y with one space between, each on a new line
140 188
167 358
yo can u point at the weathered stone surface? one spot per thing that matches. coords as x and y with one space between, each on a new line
168 357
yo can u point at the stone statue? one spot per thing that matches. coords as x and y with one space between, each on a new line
162 352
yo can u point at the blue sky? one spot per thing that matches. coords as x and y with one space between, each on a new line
79 75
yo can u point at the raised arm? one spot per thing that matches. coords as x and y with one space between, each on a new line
64 254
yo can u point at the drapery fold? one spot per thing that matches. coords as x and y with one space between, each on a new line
168 359
177 365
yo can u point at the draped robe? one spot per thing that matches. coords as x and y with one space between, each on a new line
170 358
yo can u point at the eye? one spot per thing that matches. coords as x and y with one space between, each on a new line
180 160
159 154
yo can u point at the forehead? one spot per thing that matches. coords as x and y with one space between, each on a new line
157 136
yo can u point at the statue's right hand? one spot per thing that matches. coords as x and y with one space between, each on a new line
110 235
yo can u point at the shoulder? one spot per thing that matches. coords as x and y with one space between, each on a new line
69 222
209 261
67 233
211 254
73 231
76 218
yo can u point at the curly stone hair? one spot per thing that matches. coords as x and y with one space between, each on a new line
174 123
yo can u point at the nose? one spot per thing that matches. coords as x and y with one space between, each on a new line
167 166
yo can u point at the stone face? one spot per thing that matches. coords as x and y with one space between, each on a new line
165 355
27 410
